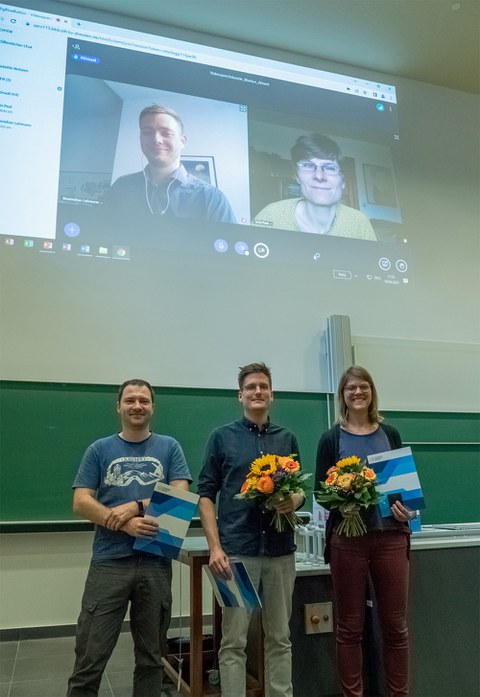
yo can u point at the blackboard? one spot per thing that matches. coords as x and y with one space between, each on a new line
446 447
47 426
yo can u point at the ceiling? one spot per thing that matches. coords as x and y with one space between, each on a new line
435 41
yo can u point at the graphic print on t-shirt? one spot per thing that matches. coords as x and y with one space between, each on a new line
124 470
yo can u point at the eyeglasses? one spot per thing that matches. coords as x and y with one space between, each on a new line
251 387
351 389
330 169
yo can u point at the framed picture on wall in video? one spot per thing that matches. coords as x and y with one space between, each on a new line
380 185
201 166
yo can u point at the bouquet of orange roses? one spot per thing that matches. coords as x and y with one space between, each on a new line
349 486
271 478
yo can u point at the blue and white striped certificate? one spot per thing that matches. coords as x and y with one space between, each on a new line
173 508
397 475
237 591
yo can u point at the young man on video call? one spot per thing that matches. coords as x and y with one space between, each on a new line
164 188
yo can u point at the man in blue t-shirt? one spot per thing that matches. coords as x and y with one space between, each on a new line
113 486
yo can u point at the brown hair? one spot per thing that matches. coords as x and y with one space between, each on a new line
254 368
356 371
138 383
315 145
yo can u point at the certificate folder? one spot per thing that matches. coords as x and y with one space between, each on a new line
173 508
237 591
397 475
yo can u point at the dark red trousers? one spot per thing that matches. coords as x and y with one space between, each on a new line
383 556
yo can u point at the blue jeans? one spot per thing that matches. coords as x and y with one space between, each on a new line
274 578
144 582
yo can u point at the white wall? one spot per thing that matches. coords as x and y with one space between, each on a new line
182 304
42 576
422 375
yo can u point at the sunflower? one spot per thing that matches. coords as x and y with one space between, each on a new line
266 464
348 461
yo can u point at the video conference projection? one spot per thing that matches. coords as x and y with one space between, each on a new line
283 204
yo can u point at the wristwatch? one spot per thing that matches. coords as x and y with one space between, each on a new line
141 508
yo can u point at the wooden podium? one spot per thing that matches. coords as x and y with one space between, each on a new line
197 658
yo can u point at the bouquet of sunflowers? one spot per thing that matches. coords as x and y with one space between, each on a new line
349 486
271 478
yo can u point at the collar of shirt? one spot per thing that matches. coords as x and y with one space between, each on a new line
253 427
180 175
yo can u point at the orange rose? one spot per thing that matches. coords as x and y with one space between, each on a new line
369 474
265 485
332 478
345 480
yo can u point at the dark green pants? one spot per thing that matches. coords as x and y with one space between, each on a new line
144 582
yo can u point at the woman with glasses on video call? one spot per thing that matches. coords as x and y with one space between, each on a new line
317 163
382 553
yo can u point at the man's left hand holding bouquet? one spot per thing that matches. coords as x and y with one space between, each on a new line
290 503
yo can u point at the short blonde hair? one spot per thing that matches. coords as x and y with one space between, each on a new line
159 109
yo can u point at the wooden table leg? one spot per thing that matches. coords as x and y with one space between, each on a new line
196 628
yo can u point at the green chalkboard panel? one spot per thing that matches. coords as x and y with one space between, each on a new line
450 477
47 426
447 454
438 427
